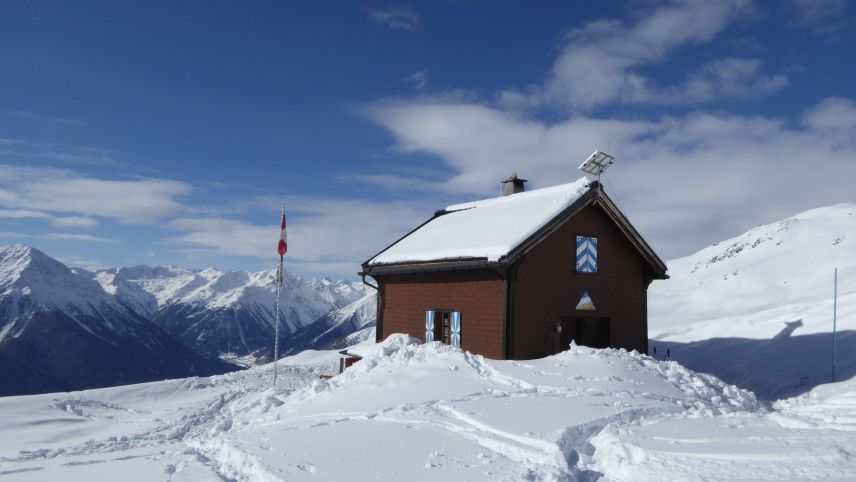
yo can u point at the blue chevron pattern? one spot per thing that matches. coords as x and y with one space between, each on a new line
586 254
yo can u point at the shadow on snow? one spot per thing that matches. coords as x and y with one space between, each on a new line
783 366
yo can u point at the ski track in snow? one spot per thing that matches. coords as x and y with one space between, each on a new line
612 414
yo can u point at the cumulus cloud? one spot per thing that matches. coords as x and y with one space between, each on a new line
686 180
599 64
397 18
721 79
136 201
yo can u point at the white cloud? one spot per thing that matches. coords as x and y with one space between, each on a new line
53 120
600 63
686 180
326 235
76 237
59 237
85 263
482 145
821 16
137 201
70 154
720 79
397 18
73 222
23 214
419 80
60 222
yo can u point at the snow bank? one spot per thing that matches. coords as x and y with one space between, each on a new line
699 394
414 411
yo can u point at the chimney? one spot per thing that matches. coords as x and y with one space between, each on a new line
513 185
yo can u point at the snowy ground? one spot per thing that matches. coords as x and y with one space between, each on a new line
756 310
430 412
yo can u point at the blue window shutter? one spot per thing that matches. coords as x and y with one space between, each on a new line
586 254
429 326
456 329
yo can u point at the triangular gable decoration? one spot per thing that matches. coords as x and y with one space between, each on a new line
429 326
586 303
456 329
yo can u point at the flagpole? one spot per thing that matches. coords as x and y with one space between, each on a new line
276 341
281 249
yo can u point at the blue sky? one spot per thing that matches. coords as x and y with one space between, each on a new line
170 132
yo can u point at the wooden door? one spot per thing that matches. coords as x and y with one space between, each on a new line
584 331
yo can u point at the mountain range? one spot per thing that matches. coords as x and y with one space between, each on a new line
228 314
68 328
755 310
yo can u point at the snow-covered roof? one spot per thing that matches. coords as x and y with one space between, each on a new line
489 228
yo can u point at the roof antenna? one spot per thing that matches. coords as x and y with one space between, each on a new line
597 163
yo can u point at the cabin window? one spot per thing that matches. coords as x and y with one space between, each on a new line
586 254
443 325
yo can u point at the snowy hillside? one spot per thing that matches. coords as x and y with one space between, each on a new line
219 313
59 329
339 328
411 411
757 309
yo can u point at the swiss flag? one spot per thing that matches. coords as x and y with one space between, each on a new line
282 248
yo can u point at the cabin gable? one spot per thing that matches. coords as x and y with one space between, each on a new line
548 287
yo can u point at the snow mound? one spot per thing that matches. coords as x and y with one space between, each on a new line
414 411
705 394
698 394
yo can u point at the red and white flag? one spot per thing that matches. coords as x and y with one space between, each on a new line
282 247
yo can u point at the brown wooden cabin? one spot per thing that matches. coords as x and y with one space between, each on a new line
575 271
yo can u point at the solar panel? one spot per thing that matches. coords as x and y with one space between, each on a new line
597 163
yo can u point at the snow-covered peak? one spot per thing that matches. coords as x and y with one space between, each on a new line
31 280
16 259
339 293
163 283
